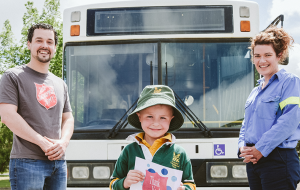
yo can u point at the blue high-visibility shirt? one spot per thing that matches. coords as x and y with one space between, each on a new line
272 114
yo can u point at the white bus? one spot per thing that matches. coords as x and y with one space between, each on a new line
197 47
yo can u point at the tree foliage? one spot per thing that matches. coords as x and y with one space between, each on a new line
8 49
5 147
14 53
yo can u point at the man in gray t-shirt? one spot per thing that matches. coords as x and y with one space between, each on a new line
34 104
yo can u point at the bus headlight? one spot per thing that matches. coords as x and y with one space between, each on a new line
101 172
218 171
89 173
239 171
80 172
226 172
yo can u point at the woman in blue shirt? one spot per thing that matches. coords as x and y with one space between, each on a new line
271 129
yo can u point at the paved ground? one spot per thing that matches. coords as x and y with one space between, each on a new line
6 178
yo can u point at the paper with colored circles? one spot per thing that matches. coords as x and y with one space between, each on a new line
157 177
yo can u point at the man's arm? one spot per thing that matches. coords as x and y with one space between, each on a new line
60 145
11 118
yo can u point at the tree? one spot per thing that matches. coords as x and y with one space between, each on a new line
5 146
12 54
8 55
7 60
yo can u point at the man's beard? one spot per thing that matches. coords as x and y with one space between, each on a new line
43 60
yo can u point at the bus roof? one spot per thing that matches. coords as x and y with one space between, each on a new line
142 3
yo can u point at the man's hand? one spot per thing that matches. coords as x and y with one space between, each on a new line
246 153
57 150
59 146
181 187
251 154
133 177
256 154
45 145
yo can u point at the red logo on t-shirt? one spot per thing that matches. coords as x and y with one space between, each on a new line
153 181
45 95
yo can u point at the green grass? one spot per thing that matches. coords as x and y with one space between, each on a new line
4 183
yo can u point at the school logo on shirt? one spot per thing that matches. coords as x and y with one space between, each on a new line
175 160
45 95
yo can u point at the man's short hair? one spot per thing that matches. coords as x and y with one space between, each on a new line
41 26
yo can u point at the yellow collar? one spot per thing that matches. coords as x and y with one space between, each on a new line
157 143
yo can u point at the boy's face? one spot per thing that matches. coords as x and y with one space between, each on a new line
155 121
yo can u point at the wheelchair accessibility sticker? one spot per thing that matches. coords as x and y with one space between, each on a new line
219 149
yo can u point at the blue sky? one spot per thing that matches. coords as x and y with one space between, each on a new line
268 11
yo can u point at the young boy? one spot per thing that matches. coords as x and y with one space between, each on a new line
156 114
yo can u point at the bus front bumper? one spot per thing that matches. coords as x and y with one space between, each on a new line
198 188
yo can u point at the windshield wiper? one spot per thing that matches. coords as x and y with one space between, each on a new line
166 79
192 116
119 125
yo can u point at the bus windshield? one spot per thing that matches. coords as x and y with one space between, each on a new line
104 80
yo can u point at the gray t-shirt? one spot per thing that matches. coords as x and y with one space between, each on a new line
41 100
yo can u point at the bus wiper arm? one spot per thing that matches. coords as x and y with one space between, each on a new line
151 73
192 116
166 79
119 125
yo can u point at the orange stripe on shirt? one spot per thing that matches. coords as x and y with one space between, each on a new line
192 186
112 181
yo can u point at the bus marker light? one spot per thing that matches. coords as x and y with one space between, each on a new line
244 12
75 30
75 16
245 26
101 172
239 171
81 172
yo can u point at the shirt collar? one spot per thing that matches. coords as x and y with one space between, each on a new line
140 137
279 75
171 139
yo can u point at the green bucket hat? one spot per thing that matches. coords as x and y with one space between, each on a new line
154 95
